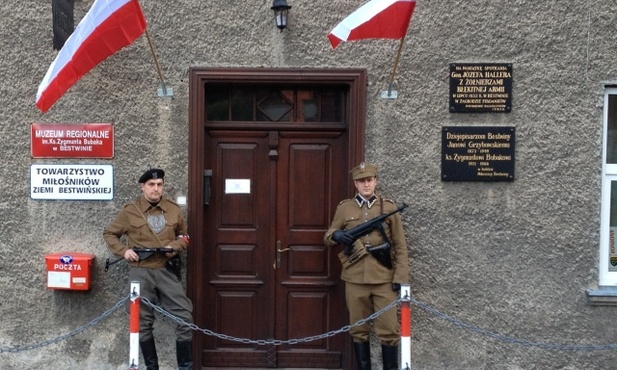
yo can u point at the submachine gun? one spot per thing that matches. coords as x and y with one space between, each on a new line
142 253
380 252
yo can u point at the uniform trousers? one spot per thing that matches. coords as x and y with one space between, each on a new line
365 299
163 288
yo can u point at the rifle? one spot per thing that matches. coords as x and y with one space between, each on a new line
379 252
372 224
142 253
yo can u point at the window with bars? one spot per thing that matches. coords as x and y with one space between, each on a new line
289 104
608 232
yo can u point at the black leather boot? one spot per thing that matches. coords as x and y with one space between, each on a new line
148 350
390 357
184 354
363 355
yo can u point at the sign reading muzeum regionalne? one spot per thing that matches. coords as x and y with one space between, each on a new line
477 153
90 140
480 88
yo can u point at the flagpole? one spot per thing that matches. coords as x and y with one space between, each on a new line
398 57
156 63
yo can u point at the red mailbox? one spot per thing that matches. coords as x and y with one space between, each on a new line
68 270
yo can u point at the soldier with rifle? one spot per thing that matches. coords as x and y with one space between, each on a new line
375 264
149 233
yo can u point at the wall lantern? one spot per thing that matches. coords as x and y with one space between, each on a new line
281 9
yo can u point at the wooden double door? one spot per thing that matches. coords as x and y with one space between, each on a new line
259 274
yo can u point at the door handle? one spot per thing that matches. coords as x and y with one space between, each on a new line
207 186
277 263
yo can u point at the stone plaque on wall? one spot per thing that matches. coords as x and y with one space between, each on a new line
480 88
477 153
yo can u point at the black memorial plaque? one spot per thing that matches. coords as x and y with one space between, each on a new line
480 88
477 153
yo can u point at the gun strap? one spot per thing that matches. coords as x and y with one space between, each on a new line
382 230
384 257
381 226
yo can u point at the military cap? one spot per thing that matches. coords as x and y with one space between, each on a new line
363 170
153 173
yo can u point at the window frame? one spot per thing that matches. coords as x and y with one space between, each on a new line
609 174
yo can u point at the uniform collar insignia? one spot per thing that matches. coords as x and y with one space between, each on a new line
369 202
359 200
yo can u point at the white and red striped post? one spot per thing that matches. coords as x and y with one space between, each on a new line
134 326
405 327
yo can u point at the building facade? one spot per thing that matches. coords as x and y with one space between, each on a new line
515 270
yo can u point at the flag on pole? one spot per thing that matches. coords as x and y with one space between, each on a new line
108 26
377 19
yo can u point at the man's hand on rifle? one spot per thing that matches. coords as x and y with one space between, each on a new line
342 237
130 255
345 239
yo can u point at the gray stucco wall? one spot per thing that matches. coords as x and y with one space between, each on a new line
513 258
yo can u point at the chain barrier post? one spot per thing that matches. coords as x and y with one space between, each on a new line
405 327
134 326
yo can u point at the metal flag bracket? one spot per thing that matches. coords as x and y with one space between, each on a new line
393 94
389 94
164 90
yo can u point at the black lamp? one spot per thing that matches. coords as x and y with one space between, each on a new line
281 9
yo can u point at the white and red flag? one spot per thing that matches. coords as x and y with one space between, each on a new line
108 26
377 19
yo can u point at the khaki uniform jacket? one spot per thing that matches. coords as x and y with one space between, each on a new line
130 223
368 270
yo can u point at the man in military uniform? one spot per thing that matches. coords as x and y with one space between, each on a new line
153 221
369 284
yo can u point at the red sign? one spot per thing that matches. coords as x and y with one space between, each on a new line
93 140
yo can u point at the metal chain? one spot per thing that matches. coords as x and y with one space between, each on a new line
276 342
424 306
69 334
504 338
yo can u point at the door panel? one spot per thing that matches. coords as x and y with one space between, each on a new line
308 289
236 260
